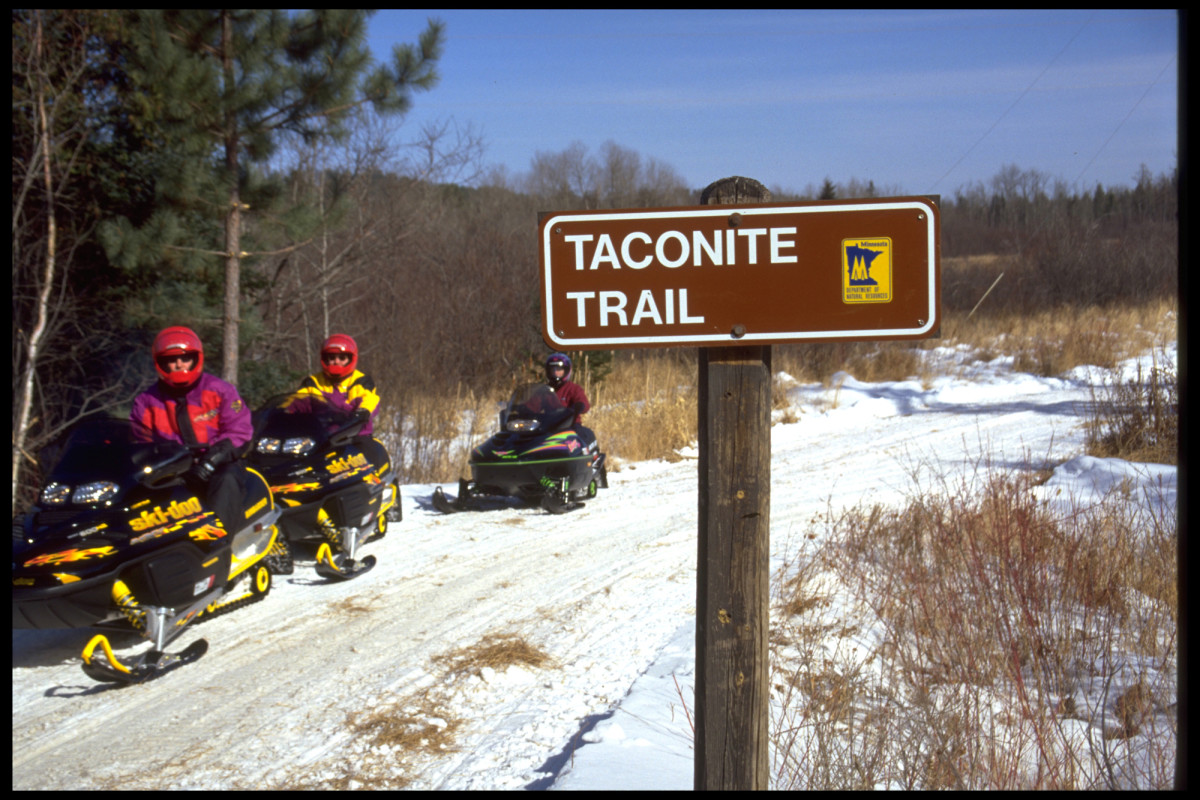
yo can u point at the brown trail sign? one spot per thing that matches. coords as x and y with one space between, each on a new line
733 280
768 273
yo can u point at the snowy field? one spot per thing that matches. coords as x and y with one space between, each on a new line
294 690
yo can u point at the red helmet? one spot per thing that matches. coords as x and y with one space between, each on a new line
177 341
337 344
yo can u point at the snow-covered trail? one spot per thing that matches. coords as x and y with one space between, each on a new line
601 591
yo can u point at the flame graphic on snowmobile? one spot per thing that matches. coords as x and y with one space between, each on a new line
336 488
121 538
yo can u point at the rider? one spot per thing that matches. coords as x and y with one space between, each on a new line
558 376
340 384
195 408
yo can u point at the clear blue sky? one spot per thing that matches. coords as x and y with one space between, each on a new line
919 101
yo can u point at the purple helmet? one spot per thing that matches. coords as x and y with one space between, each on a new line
553 362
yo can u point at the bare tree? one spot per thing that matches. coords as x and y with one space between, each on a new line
51 128
618 178
567 179
620 170
379 207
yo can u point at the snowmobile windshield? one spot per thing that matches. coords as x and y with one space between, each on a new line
103 450
294 424
535 408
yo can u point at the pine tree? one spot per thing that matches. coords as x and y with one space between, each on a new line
226 85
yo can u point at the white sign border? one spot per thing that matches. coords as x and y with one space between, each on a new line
744 211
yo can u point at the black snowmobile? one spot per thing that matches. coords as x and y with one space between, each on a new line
537 457
122 539
336 488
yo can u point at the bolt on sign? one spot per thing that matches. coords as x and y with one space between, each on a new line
707 276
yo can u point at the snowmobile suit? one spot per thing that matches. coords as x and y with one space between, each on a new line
571 393
214 407
219 420
355 392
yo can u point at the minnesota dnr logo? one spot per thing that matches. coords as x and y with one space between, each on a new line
867 270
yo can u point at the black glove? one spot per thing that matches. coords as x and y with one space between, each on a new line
220 453
361 414
577 406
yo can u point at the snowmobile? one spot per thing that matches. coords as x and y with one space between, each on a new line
536 457
122 539
337 489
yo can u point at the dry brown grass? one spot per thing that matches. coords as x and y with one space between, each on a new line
393 740
1002 627
646 409
1050 342
1037 313
1137 417
497 651
440 432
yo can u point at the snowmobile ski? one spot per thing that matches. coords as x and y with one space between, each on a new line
155 557
538 458
444 504
469 499
334 485
554 504
151 664
339 567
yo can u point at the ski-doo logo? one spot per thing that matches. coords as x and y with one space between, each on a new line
160 516
358 460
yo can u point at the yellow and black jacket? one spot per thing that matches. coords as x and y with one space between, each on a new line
355 391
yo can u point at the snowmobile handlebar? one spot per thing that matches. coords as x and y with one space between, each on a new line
166 469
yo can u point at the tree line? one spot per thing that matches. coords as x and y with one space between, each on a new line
239 172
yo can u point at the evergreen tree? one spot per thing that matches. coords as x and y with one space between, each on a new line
226 85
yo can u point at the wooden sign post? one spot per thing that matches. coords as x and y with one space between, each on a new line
732 608
733 277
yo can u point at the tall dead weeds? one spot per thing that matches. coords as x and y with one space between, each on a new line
1002 628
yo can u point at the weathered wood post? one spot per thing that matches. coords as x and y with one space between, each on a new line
732 608
855 269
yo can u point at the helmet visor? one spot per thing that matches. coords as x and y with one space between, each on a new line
177 362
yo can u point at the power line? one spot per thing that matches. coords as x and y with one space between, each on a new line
1122 122
1014 103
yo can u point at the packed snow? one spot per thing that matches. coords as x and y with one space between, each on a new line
297 691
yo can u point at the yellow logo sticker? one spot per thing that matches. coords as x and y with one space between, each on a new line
352 461
867 270
161 516
254 509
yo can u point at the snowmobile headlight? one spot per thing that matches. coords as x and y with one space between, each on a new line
97 492
55 494
268 446
299 446
521 425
